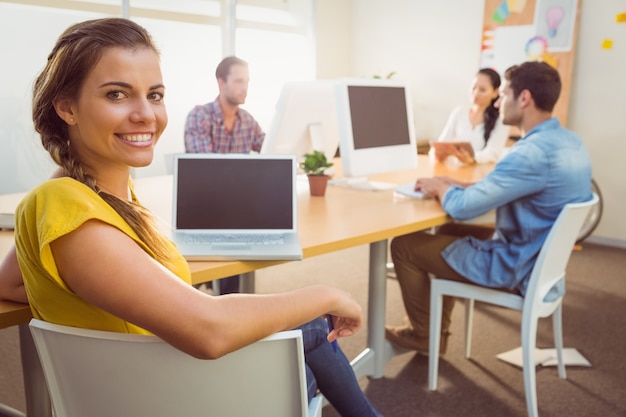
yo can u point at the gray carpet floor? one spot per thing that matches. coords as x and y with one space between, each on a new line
594 318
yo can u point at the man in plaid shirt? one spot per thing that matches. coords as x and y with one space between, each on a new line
221 126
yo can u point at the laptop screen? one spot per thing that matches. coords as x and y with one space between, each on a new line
234 192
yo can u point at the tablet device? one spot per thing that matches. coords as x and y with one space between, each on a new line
448 147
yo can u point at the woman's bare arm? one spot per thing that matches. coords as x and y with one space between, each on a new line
11 283
108 269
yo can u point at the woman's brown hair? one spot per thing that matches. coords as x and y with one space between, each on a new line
75 54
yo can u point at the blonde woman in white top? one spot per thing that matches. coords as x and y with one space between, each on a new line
478 123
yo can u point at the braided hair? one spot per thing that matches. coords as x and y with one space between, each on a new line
75 54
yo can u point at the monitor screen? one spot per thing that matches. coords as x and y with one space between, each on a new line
305 120
376 127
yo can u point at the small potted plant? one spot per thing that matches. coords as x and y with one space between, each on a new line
314 166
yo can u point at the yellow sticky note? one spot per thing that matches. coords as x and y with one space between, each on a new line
550 60
620 17
516 6
607 44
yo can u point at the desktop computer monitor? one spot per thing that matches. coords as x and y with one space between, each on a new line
376 128
305 120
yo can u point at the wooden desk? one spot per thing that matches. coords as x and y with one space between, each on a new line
342 219
13 314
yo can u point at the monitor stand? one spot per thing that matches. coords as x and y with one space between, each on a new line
317 136
316 133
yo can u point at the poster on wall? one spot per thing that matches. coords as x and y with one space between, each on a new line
515 31
556 20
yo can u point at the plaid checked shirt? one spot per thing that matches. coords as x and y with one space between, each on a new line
205 131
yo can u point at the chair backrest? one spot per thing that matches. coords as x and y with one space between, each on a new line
557 249
103 374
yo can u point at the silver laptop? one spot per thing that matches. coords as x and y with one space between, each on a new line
235 207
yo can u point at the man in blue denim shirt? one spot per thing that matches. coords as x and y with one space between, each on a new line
546 169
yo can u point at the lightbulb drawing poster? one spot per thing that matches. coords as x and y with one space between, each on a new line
555 21
515 31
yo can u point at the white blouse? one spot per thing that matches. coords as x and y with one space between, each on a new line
459 129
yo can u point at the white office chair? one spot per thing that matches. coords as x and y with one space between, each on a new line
103 374
549 269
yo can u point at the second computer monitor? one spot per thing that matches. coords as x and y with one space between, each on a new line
376 127
305 119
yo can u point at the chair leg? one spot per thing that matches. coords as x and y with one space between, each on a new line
557 326
529 342
315 406
469 319
6 411
436 302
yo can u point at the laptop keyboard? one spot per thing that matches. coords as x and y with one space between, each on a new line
240 239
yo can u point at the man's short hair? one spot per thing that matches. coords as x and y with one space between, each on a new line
543 82
223 68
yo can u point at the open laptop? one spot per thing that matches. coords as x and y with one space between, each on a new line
235 207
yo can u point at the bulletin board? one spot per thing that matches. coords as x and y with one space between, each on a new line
515 31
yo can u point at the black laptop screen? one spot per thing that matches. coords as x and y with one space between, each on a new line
235 193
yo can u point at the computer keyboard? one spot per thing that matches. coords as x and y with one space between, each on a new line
408 190
239 239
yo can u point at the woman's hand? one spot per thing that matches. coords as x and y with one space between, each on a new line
347 317
463 155
441 154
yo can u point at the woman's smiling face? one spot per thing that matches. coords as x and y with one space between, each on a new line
119 114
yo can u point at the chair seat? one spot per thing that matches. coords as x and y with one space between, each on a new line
549 269
476 292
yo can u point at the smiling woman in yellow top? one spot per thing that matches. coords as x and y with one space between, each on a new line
90 253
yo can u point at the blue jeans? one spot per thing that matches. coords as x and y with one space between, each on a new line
331 372
228 285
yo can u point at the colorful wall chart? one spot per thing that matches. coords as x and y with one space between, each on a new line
515 31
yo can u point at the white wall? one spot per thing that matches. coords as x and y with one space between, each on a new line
435 45
598 107
23 161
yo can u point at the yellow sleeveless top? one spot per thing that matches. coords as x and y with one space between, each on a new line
54 209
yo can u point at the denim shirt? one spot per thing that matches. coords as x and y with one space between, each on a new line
543 171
